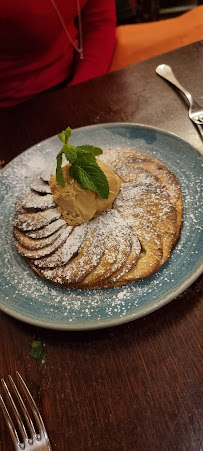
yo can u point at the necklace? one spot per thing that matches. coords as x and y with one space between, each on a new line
79 48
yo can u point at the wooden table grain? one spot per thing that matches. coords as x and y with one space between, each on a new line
136 386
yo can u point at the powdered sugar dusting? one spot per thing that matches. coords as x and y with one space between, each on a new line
31 243
66 251
34 221
46 250
47 230
32 201
37 184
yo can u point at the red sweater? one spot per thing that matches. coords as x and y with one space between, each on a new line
35 52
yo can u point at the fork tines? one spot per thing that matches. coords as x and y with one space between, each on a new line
29 439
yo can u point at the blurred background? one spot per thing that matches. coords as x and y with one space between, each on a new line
136 11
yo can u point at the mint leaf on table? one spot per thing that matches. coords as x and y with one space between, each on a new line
84 167
90 176
37 352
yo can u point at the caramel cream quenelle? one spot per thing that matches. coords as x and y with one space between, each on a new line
77 204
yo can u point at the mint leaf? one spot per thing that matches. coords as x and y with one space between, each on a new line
70 153
90 149
59 173
90 176
65 135
85 158
37 352
84 167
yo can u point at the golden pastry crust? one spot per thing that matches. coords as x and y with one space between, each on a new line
129 242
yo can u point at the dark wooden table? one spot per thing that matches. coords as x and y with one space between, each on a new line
135 386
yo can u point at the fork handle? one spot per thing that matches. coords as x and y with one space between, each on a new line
166 72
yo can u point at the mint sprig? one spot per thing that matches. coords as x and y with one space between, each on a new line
84 167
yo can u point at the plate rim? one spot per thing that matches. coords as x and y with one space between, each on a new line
111 323
110 124
142 311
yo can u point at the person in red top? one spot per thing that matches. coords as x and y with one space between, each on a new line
46 42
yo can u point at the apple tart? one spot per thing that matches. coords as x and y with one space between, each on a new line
128 242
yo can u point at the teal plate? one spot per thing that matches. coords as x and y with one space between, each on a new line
27 297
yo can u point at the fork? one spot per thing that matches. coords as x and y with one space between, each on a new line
36 441
195 110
